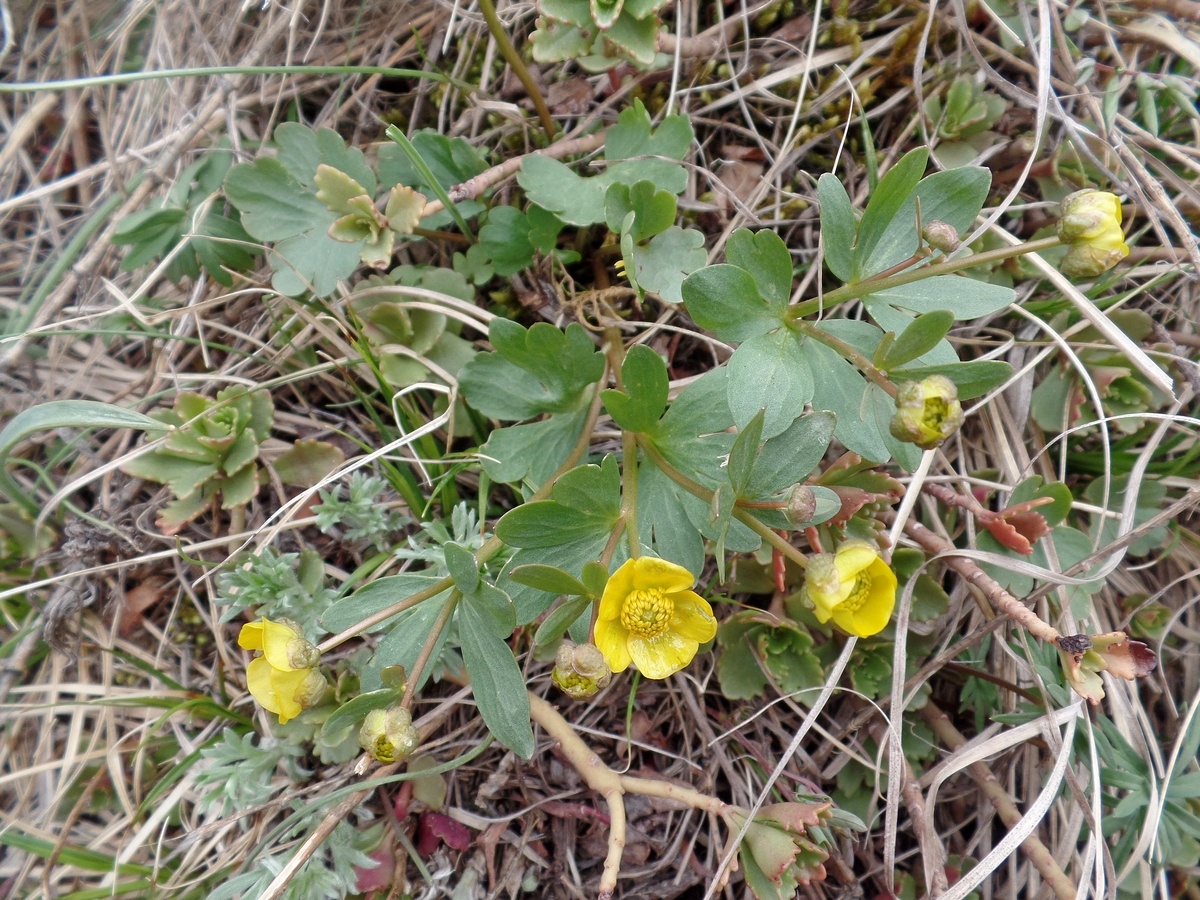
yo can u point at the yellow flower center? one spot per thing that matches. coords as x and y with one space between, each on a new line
647 613
859 593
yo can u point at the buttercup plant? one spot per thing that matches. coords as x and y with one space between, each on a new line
602 552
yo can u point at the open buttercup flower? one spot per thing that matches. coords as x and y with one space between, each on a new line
1090 226
285 679
650 616
854 587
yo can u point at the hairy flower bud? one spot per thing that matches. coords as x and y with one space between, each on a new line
941 236
927 412
1090 226
801 505
389 734
580 671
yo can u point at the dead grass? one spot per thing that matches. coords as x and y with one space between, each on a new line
98 749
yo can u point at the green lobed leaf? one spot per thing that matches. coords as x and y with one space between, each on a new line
653 209
462 566
534 371
586 503
560 619
548 578
791 456
496 680
955 197
922 335
886 203
693 433
632 135
641 403
663 520
772 372
765 256
302 149
966 298
273 203
661 266
744 453
841 390
506 241
376 596
506 458
724 299
839 231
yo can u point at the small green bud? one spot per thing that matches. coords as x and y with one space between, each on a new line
802 505
389 734
941 236
927 412
580 671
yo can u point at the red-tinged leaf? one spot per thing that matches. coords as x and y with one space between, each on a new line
1007 535
436 829
853 499
403 800
379 877
1123 657
1031 525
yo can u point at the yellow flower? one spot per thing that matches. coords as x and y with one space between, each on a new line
389 734
285 679
650 616
1090 226
854 587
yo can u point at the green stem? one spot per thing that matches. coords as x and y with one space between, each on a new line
948 267
509 52
847 352
431 640
490 548
705 494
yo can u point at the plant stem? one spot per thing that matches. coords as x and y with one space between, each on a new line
996 595
612 786
694 487
431 641
509 52
847 352
947 267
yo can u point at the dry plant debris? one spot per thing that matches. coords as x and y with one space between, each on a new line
569 449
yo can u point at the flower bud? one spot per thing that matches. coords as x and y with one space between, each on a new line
927 412
580 671
941 236
311 690
801 505
389 734
1090 226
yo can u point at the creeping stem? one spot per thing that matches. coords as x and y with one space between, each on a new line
946 267
694 487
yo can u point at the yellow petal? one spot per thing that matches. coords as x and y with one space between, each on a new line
693 617
613 641
652 572
661 656
251 636
276 638
875 612
619 585
274 690
852 557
